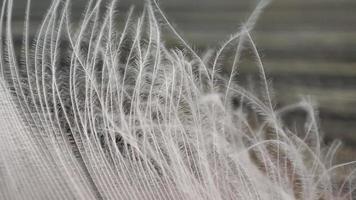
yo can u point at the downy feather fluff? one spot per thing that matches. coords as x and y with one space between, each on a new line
99 111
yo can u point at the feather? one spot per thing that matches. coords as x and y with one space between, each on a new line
93 111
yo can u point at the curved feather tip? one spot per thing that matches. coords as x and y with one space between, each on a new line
100 110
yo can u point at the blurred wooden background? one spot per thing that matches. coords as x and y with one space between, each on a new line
308 47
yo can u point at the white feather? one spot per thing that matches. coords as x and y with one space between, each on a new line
93 112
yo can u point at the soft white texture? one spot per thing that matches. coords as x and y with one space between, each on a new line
91 111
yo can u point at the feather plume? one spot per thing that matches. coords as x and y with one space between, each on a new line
92 111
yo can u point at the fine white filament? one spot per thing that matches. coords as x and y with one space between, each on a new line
98 110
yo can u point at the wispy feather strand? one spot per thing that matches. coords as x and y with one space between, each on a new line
93 111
